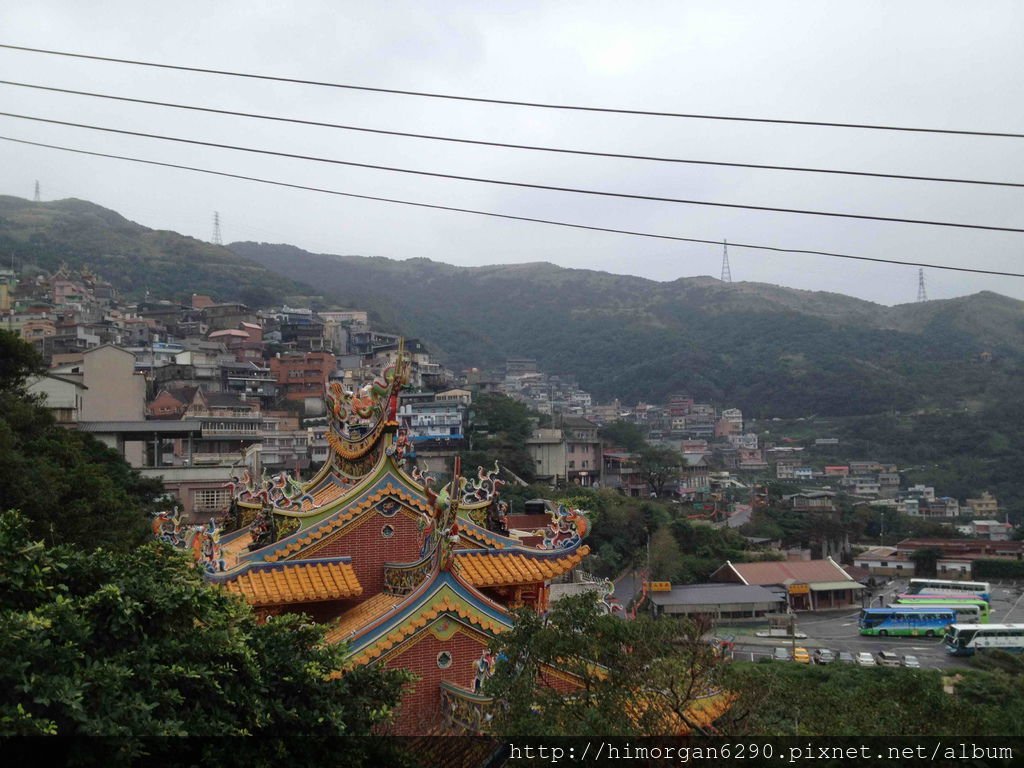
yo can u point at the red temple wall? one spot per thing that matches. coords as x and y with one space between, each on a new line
421 704
370 549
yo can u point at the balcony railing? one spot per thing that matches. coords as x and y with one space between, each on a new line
464 712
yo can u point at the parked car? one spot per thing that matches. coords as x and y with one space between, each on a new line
824 656
801 656
888 659
911 662
865 659
781 654
845 657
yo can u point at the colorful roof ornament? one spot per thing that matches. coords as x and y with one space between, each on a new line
358 418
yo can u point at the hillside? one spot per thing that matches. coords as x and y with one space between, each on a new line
132 257
771 350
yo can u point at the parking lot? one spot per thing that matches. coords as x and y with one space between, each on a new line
837 630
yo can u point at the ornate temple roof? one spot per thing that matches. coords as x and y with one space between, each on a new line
444 595
301 581
380 604
488 568
387 485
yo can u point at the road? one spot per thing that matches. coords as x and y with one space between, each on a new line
741 516
627 585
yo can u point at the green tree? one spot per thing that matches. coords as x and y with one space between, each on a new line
624 434
666 556
18 361
498 430
128 647
926 561
658 466
71 487
635 678
784 699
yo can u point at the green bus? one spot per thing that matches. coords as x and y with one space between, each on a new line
962 605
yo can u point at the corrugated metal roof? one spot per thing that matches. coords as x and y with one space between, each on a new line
153 426
714 594
827 586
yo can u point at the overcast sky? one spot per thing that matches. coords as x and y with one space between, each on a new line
927 63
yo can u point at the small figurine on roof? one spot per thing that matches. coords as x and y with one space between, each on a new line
263 529
483 668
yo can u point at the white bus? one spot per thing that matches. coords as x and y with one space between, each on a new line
946 587
967 639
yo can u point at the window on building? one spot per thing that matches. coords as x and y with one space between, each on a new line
211 499
444 660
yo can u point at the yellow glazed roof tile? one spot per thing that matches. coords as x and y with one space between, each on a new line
361 615
489 569
300 583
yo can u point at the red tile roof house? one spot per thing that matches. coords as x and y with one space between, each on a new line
811 585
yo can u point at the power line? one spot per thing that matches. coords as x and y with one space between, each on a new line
519 184
507 145
510 102
507 216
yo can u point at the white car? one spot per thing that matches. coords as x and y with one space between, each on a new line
865 659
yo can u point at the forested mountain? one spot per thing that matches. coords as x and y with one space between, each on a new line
770 350
132 257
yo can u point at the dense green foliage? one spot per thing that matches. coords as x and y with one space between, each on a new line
997 569
499 427
681 551
785 699
769 350
132 646
70 486
624 435
634 678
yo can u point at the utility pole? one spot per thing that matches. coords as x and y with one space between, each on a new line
726 272
216 229
36 197
922 294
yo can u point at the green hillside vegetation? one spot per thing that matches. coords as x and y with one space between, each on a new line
132 257
786 699
961 453
767 349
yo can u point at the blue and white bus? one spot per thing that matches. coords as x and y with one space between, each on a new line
968 639
948 587
906 620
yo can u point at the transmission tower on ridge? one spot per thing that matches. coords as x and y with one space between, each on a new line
36 197
216 229
922 294
726 272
